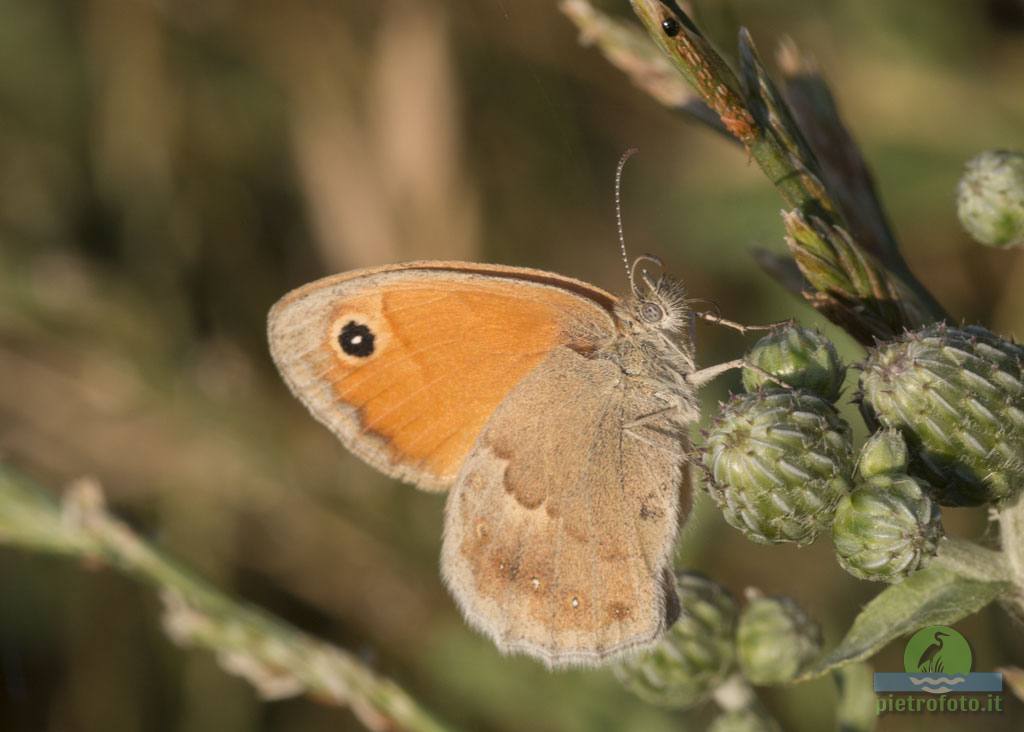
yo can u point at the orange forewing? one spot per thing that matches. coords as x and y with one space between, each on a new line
450 342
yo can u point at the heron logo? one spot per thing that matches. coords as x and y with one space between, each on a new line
937 650
938 660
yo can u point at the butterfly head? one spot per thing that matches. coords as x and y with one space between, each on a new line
658 304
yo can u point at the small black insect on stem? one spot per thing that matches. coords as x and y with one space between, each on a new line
679 18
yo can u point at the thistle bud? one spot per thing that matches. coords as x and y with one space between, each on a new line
775 640
886 528
957 396
694 656
777 463
885 452
797 356
990 198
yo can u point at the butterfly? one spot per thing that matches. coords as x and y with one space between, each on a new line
555 415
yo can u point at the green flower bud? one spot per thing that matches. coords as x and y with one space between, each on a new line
800 357
886 528
775 640
957 396
885 452
990 198
744 720
694 656
777 464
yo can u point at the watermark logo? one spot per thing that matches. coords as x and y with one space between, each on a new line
938 660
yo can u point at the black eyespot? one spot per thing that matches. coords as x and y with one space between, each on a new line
356 339
671 27
651 312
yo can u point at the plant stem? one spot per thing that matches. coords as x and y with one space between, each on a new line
278 659
973 561
1011 534
711 76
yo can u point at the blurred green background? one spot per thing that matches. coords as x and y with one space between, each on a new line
169 168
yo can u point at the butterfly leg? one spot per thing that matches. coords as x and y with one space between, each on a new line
702 377
744 329
631 429
633 435
699 378
645 418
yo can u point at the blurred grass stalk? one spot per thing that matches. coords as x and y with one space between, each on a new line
276 658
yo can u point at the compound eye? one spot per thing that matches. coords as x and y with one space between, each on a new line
651 312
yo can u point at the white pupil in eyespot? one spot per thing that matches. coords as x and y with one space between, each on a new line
356 340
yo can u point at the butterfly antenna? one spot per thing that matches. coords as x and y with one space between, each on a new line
618 209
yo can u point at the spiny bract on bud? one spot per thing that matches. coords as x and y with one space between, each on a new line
957 396
744 720
990 198
777 463
694 656
798 356
886 528
884 452
775 640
